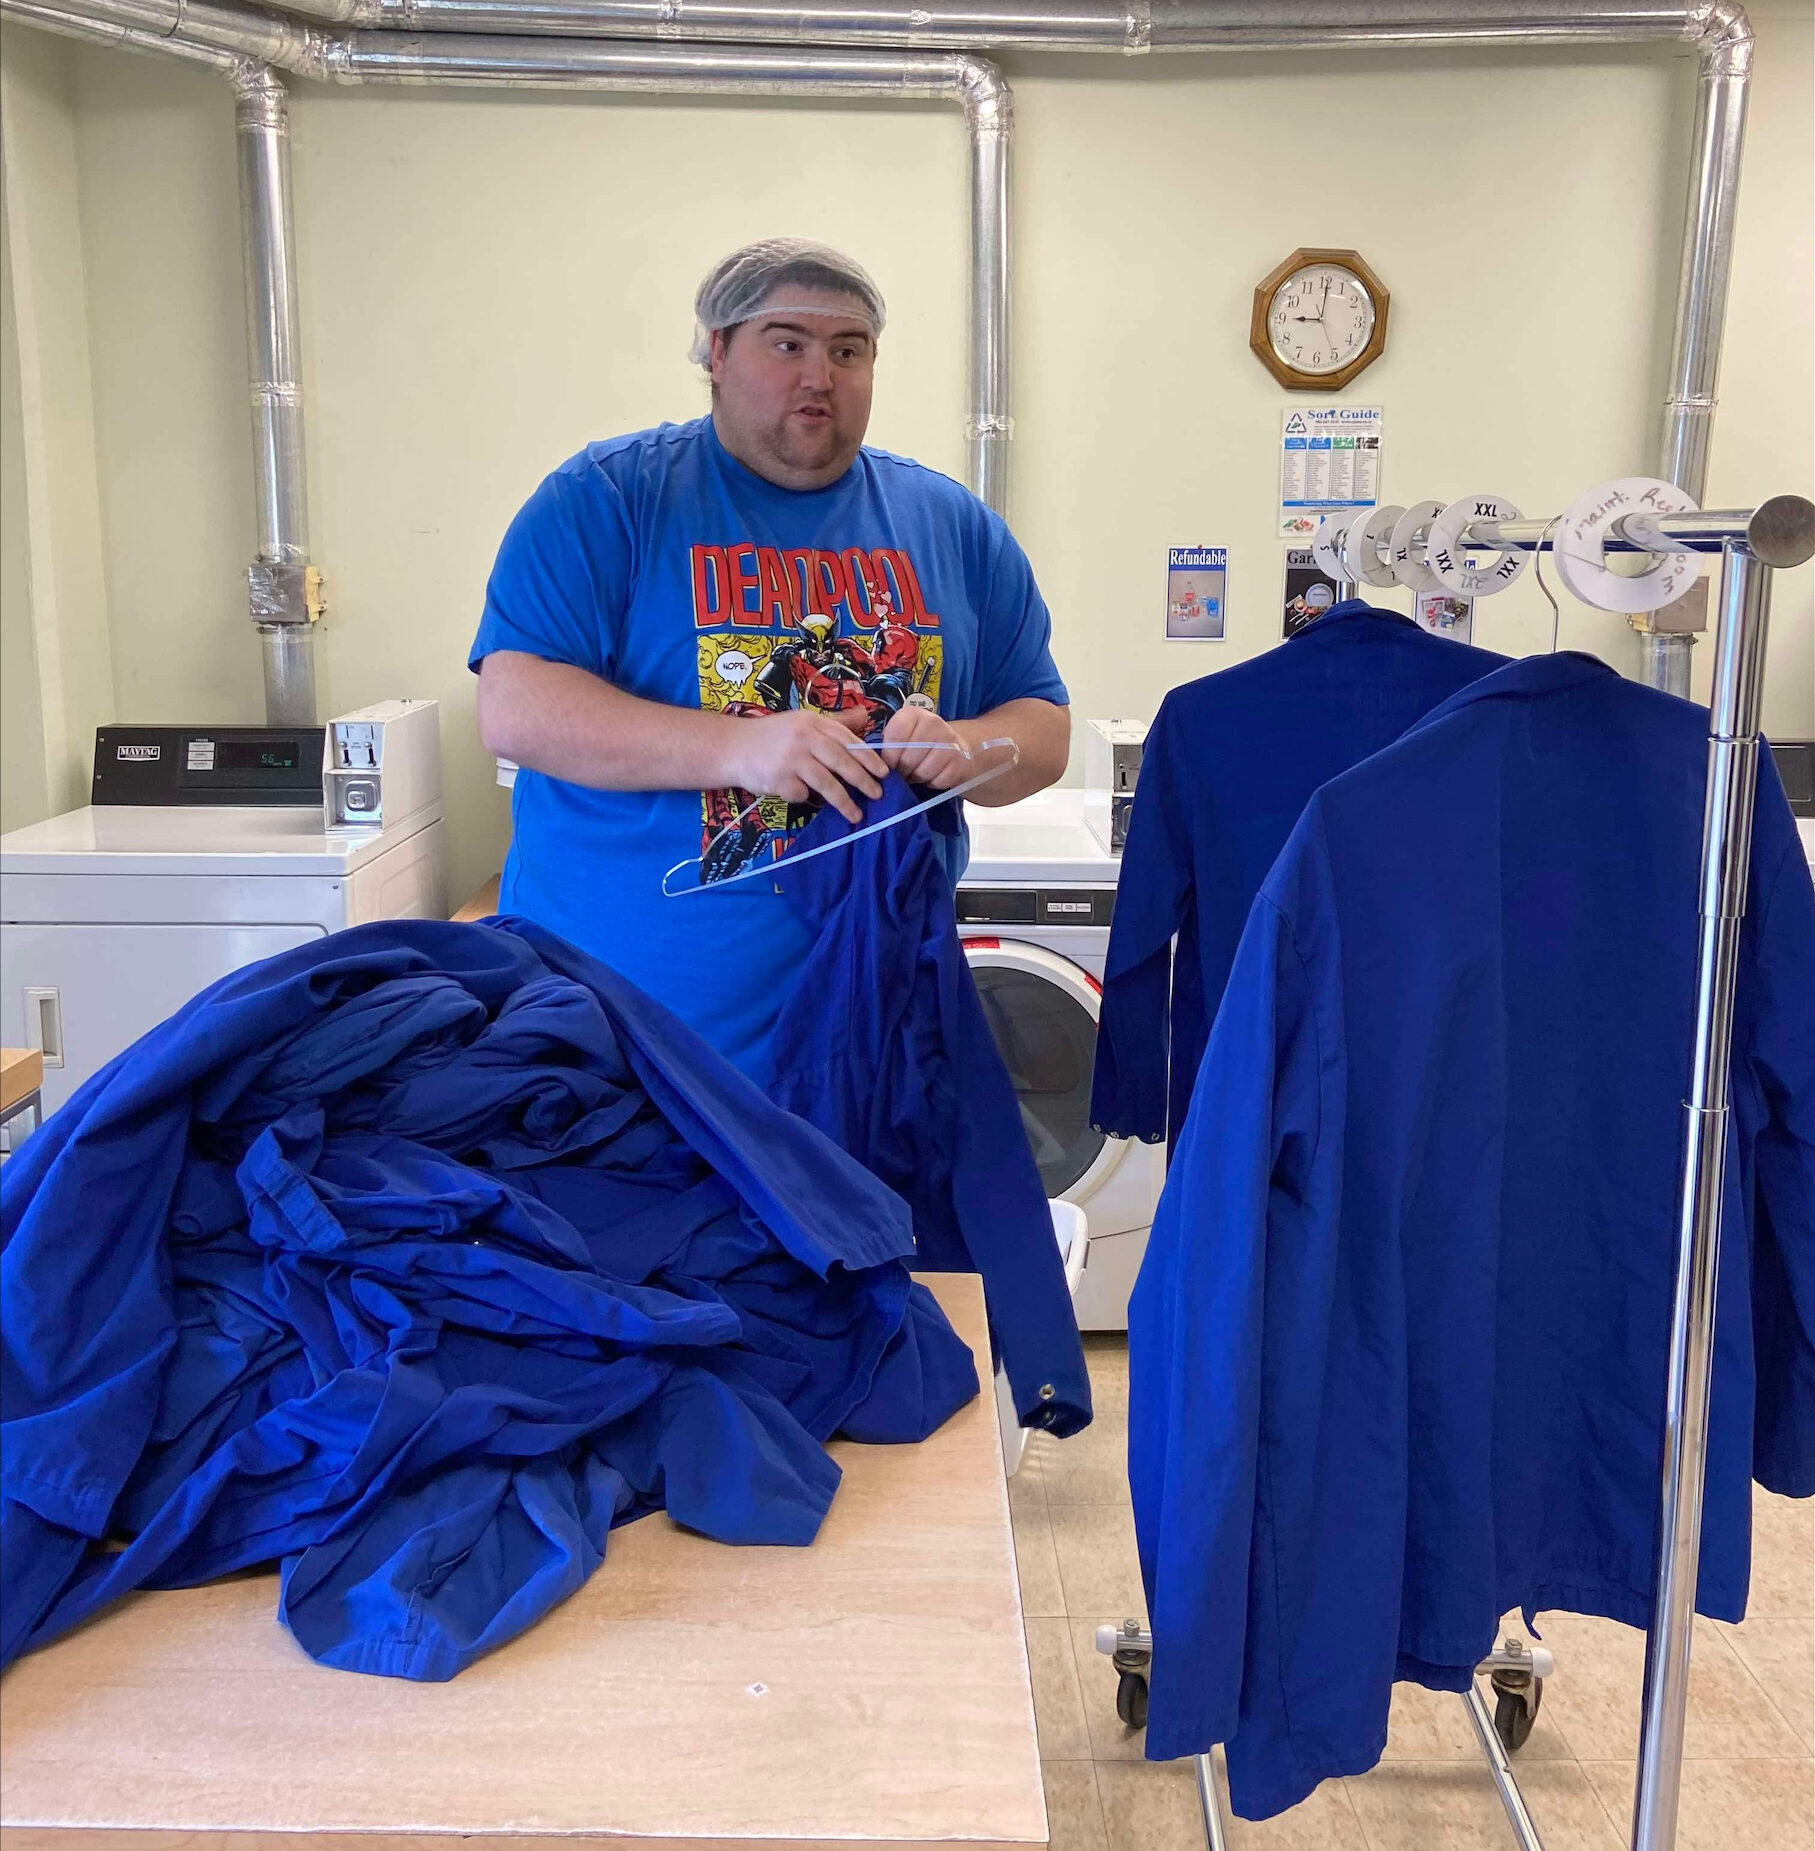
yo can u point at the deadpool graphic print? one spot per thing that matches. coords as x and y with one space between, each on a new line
846 633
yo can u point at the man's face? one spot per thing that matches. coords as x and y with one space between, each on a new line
794 389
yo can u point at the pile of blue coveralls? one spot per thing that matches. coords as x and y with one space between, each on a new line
414 1260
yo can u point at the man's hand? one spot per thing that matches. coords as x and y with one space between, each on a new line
800 755
937 771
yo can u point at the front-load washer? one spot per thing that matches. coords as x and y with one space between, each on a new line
1034 908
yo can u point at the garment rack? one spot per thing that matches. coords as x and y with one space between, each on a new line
1752 544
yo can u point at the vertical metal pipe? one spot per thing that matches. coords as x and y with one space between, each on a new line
288 650
1745 596
989 113
261 120
1707 262
1701 296
1664 662
262 124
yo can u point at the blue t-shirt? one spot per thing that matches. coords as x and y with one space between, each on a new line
659 562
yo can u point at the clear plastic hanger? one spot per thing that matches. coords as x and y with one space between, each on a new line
768 869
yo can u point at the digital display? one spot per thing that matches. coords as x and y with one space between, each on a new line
258 754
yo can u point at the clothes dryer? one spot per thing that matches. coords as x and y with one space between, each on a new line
1034 908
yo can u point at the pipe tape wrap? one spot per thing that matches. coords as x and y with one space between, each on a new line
1407 547
1327 543
1446 556
1362 555
1581 553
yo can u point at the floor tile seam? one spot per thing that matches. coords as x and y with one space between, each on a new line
1773 1705
1622 1832
1707 1761
1096 1791
1077 1677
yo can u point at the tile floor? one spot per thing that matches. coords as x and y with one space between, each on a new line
1748 1780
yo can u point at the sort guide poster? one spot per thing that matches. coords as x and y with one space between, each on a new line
1329 461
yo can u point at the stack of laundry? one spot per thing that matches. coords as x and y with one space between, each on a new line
414 1261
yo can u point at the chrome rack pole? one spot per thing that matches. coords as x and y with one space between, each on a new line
1210 1798
1518 1816
1779 533
1745 600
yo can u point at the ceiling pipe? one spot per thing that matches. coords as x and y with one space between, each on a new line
973 83
1133 28
1717 28
282 586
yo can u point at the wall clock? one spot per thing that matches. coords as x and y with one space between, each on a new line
1319 319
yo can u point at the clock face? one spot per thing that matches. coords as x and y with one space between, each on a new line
1320 318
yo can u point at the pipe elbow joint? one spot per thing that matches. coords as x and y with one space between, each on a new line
1722 33
989 103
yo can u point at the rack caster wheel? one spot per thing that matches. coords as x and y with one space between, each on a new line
1516 1709
1131 1699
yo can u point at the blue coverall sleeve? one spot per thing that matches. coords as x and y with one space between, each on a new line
1129 1088
561 583
1196 1346
1783 1260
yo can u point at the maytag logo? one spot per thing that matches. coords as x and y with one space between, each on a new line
138 752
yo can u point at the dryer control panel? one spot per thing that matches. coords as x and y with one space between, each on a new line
211 765
1043 906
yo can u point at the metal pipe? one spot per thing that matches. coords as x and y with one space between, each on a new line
1701 301
989 430
973 83
1780 531
262 126
1726 42
1745 603
280 598
1132 27
1518 1815
1662 665
288 654
122 37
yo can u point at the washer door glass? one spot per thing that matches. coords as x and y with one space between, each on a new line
1048 1042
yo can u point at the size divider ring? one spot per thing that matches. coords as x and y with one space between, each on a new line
1406 551
1581 552
1326 544
1362 554
1446 555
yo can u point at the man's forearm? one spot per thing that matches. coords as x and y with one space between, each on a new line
569 724
1041 731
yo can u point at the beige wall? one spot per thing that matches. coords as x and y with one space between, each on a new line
56 656
489 280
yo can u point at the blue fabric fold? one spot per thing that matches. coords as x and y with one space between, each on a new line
413 1261
883 1044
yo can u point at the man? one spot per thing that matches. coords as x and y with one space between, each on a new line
688 629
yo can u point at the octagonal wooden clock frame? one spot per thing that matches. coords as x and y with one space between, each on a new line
1290 376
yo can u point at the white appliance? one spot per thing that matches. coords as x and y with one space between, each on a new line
115 915
1034 908
1112 768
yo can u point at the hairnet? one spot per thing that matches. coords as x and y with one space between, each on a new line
739 286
